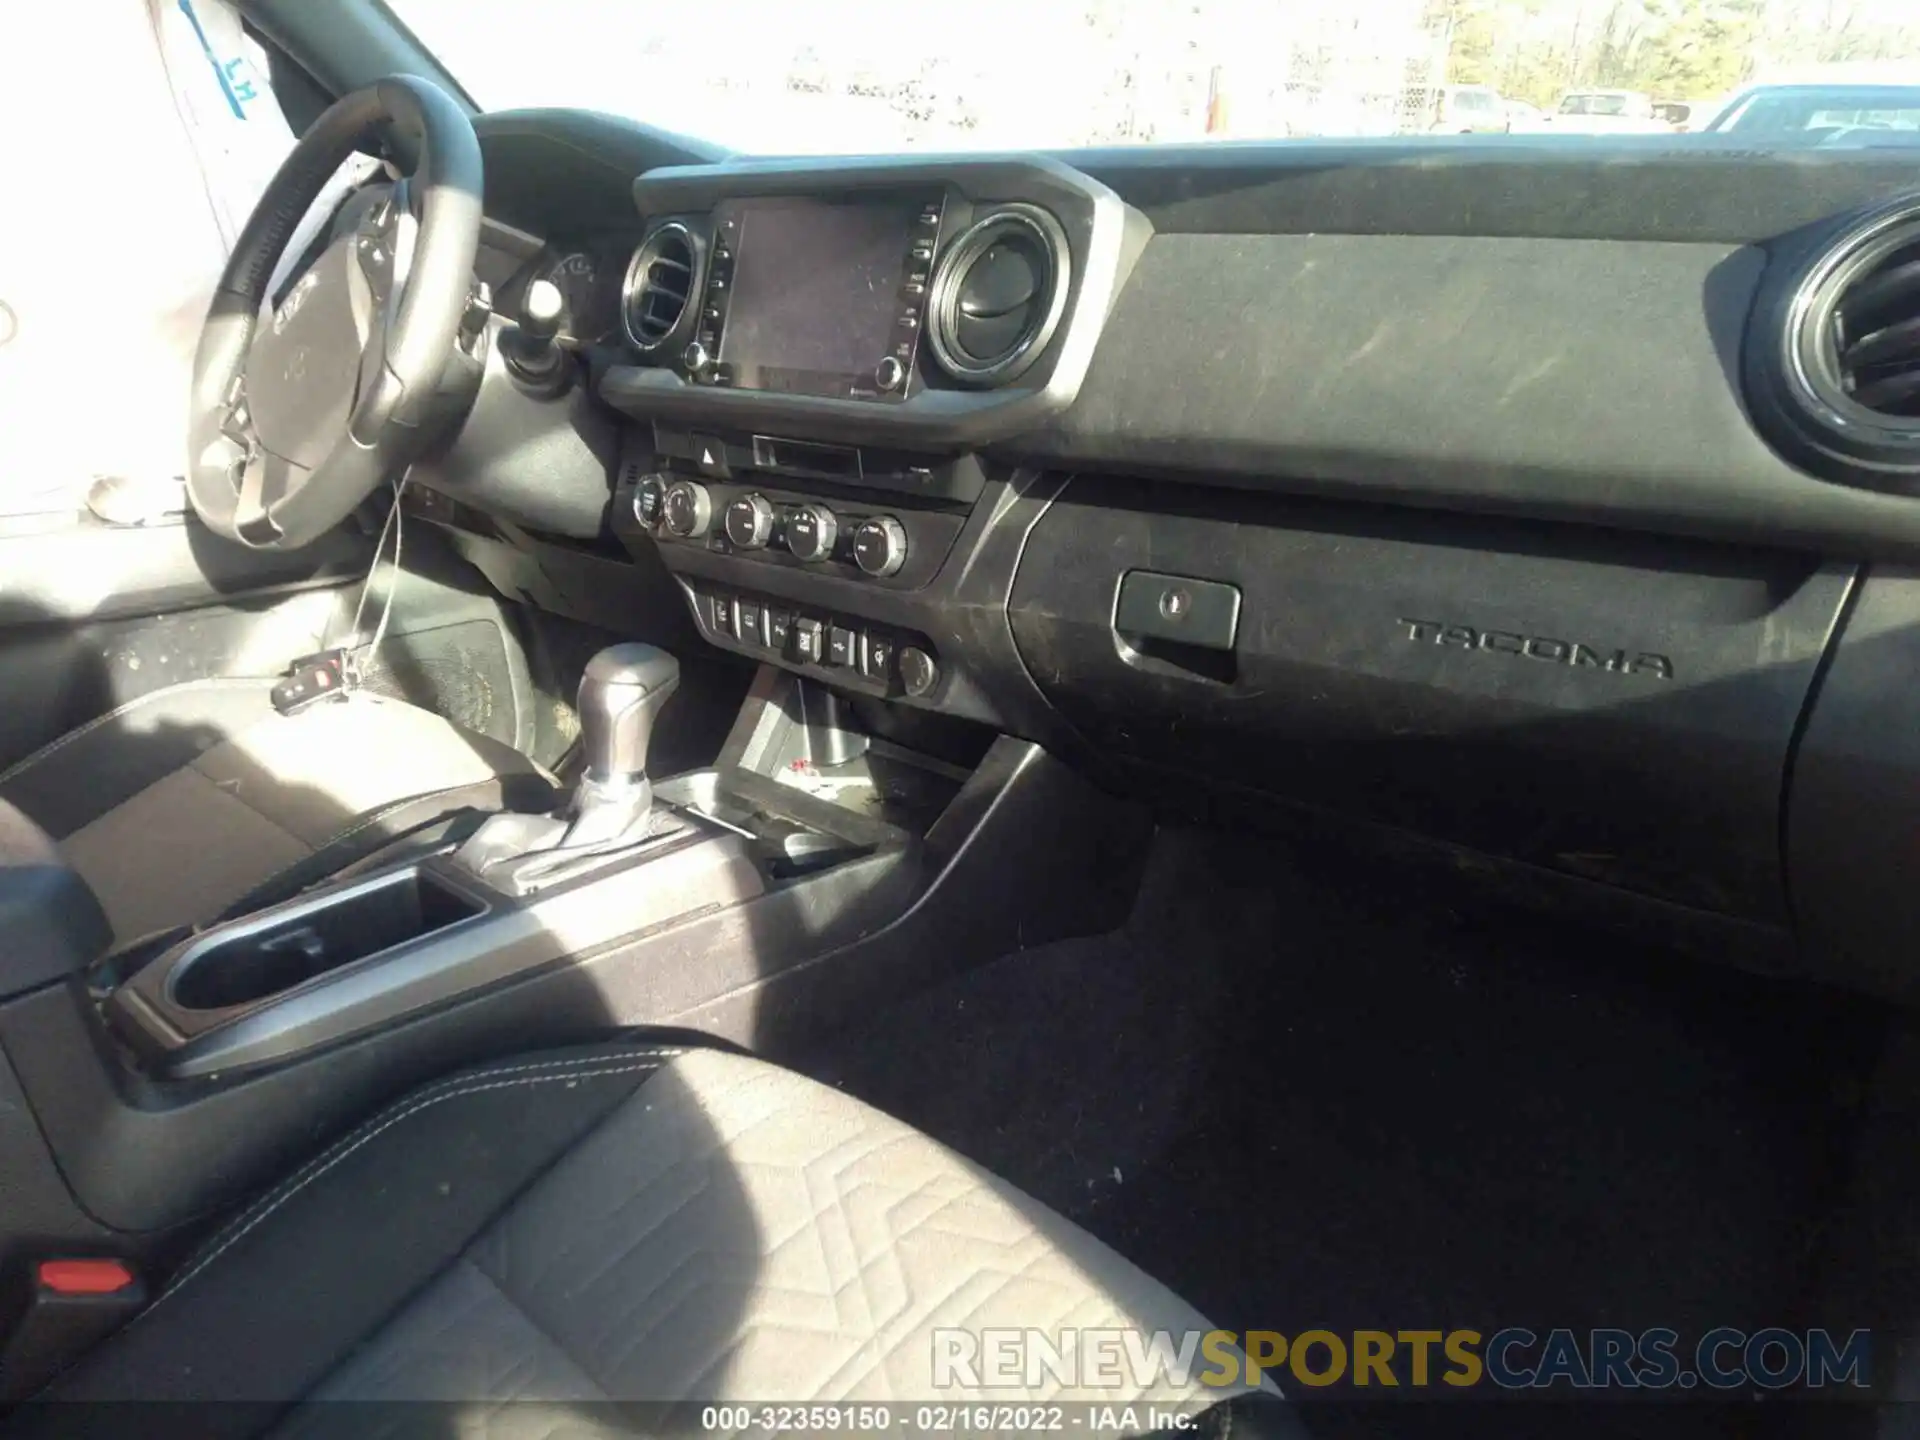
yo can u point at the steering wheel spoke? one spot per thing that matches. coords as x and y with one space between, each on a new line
236 421
250 513
375 246
303 408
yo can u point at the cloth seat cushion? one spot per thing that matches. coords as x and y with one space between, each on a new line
177 805
527 1248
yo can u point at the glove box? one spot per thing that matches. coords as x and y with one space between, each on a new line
1618 707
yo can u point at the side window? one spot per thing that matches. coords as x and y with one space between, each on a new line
136 137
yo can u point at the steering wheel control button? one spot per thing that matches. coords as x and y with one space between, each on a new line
1203 613
918 673
811 532
839 645
710 457
650 500
890 374
688 509
876 659
880 546
750 522
808 639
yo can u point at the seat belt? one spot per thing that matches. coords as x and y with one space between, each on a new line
69 1306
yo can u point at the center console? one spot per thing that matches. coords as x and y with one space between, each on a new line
831 858
820 356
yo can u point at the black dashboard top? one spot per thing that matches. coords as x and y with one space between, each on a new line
1541 327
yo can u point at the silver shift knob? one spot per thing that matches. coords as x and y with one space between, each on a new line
620 697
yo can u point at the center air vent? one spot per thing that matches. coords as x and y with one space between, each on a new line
1837 369
661 281
998 296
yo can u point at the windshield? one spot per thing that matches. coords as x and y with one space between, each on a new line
858 76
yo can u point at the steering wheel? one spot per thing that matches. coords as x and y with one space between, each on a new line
298 416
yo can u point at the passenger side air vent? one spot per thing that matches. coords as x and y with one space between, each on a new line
998 296
1836 370
662 279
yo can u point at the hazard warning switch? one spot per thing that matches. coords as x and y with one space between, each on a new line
710 457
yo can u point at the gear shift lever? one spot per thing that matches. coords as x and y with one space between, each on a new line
612 809
620 698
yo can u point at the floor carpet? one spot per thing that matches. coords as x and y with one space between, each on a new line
1309 1094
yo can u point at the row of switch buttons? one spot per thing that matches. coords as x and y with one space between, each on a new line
797 637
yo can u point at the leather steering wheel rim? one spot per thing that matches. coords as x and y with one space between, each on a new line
239 487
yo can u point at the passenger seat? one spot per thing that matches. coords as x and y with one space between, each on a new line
527 1242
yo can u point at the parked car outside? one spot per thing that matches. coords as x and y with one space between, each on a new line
1824 113
1686 116
1469 110
1524 118
1605 112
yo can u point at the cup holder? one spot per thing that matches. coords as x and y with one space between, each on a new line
256 959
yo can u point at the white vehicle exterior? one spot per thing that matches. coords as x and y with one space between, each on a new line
1605 112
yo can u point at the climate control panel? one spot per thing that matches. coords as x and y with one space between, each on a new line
900 545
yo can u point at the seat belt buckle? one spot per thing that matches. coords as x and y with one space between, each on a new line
71 1305
314 680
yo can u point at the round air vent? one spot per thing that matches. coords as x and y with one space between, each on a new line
660 284
1837 368
998 295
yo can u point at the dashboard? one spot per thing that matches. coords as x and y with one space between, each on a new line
1490 495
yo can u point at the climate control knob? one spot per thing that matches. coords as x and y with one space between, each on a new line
750 522
811 531
880 546
649 500
687 509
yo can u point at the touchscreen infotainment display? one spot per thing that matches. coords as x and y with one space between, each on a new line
819 289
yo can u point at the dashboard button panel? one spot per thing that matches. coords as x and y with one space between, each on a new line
850 652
